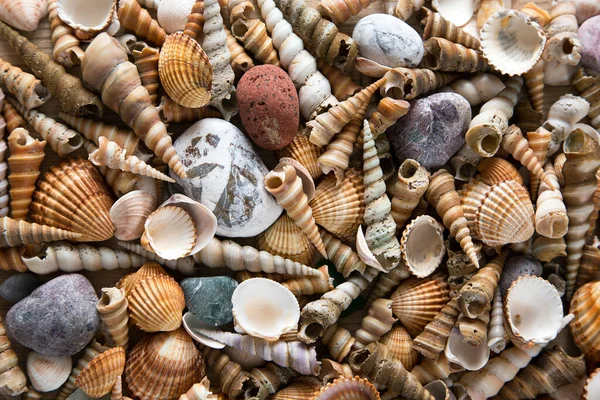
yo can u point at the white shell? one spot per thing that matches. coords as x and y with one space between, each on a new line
512 42
192 324
169 232
130 212
459 12
364 253
423 246
461 353
48 373
89 16
264 308
172 15
246 361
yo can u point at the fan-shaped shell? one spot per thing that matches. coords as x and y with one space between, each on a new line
185 71
348 389
284 238
72 196
99 376
23 14
129 281
130 212
304 152
512 42
172 15
169 232
90 17
591 389
417 301
48 373
156 304
399 343
495 170
585 327
461 354
340 208
264 308
163 366
423 246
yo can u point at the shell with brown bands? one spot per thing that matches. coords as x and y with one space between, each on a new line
146 60
345 259
589 88
409 83
284 238
112 309
12 377
65 44
304 152
135 18
434 25
26 88
99 376
412 183
339 341
444 55
377 323
253 34
156 304
432 341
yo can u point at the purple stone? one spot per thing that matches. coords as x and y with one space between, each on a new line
589 34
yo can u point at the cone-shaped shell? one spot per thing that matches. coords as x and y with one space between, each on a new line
422 245
304 152
135 18
48 373
112 309
72 196
185 72
417 301
17 233
585 305
434 25
130 212
348 389
156 304
399 343
432 341
163 366
284 238
99 376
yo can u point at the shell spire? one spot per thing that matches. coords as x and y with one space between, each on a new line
432 341
496 332
534 80
112 308
340 11
146 60
539 142
65 44
377 323
516 145
233 379
434 25
410 83
13 380
91 351
135 18
16 233
345 259
551 218
26 88
253 34
386 283
443 55
412 183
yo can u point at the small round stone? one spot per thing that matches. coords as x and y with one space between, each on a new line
589 34
518 266
19 286
209 299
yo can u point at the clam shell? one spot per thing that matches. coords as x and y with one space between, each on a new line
129 281
495 170
533 311
417 301
423 246
185 71
304 152
512 42
130 212
458 12
284 238
156 304
471 196
169 232
48 373
399 343
172 15
585 306
99 376
264 308
591 389
73 196
348 389
163 366
301 388
91 17
23 14
462 354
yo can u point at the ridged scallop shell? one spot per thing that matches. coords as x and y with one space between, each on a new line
417 301
129 281
284 238
169 232
130 212
172 15
399 343
264 308
48 373
423 246
73 196
585 327
591 389
99 376
348 389
512 42
163 366
185 71
495 170
156 304
94 17
304 152
23 14
340 208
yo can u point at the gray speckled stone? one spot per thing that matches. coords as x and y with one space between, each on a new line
432 131
58 319
589 34
19 286
388 40
209 299
516 267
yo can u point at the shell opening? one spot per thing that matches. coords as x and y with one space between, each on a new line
75 141
408 169
274 182
313 330
239 29
490 143
575 142
41 92
343 53
568 46
424 247
104 299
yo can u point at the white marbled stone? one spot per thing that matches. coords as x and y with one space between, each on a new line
226 175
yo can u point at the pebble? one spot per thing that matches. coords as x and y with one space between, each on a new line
589 34
516 267
209 299
58 319
19 286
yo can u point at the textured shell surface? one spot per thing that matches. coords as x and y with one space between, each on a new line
465 355
129 214
423 246
284 238
48 373
585 306
89 17
458 12
591 389
399 343
99 376
169 232
23 14
172 15
348 389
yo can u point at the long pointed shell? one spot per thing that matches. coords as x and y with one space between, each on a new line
430 370
48 373
516 145
388 282
27 89
309 285
434 25
377 323
146 60
350 389
551 218
496 332
66 48
135 18
173 112
474 330
17 233
112 308
340 11
534 80
330 370
409 83
444 55
412 183
432 341
253 34
99 376
339 341
588 86
345 259
284 238
422 245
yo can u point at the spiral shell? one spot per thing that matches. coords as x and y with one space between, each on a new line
434 25
112 308
432 341
444 55
99 376
339 341
135 18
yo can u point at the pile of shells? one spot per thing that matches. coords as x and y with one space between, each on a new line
409 211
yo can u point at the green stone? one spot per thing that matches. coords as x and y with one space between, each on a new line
209 299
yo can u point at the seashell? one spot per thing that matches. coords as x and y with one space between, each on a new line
246 361
304 152
24 15
589 260
303 387
435 25
339 341
539 142
146 60
173 15
348 388
258 300
330 370
148 270
564 48
477 89
409 83
588 85
562 116
12 118
495 170
496 335
48 373
551 218
342 85
112 309
185 71
498 47
545 249
516 145
422 245
377 323
240 60
457 13
173 112
26 88
399 343
418 301
253 34
309 285
464 355
534 80
592 386
387 282
11 259
129 213
563 18
345 259
593 219
402 9
487 9
339 208
431 342
198 391
474 330
135 18
559 163
271 377
284 238
99 376
163 366
233 380
340 11
90 352
444 55
17 233
430 370
87 19
536 14
412 183
583 305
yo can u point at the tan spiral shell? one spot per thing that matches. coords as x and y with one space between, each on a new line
112 309
304 152
99 376
432 341
584 305
339 341
135 18
146 60
434 25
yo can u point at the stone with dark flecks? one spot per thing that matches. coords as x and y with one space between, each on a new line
388 41
57 319
209 299
432 131
19 286
518 266
589 34
268 105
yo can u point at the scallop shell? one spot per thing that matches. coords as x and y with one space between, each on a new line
48 373
512 42
264 308
348 389
423 246
585 305
73 196
495 170
458 12
99 376
90 17
23 14
301 388
533 311
591 389
129 281
464 355
156 304
172 15
163 366
185 71
304 152
417 301
284 238
399 343
130 212
340 208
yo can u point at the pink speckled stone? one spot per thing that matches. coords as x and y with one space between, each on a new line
589 34
268 105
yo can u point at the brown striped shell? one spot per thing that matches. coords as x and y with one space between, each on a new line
99 376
